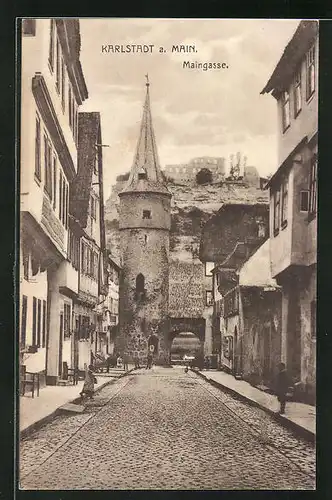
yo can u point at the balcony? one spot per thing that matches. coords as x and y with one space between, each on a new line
68 278
52 225
88 287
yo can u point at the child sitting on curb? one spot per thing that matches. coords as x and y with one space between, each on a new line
88 386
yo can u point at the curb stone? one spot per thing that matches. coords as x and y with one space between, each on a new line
305 433
44 420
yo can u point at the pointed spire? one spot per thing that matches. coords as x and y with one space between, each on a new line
146 173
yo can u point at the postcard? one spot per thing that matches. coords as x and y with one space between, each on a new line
168 253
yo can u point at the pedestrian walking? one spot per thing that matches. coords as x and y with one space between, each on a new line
119 361
108 363
125 361
136 360
282 385
89 382
149 361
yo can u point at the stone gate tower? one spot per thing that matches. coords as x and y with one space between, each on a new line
144 223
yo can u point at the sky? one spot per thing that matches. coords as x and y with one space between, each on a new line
195 112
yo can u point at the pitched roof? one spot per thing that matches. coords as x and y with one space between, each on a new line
292 55
256 271
89 135
146 158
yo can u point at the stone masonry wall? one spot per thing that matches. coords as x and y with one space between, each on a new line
144 251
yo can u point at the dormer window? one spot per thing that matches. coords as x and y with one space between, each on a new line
146 214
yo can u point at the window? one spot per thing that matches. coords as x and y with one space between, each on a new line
284 202
83 257
276 213
95 166
73 110
208 298
231 303
91 263
313 307
60 196
24 319
313 187
25 258
54 181
140 286
304 201
76 125
34 320
146 214
96 266
44 324
67 206
48 166
37 150
285 110
70 107
51 52
63 200
38 322
93 203
66 322
142 175
73 249
311 77
297 93
63 76
208 268
57 73
29 27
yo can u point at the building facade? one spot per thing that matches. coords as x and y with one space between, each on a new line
52 89
250 314
293 202
145 220
229 238
110 308
87 208
187 171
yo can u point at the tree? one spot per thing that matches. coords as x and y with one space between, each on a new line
123 177
204 176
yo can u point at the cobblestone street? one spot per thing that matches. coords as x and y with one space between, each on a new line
164 429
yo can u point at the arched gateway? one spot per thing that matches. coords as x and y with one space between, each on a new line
180 325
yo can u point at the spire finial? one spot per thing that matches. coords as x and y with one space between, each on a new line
147 79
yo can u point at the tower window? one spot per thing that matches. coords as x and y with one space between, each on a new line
140 290
142 173
146 214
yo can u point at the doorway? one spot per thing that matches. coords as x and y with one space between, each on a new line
60 344
294 334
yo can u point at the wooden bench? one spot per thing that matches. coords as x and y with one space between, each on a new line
30 380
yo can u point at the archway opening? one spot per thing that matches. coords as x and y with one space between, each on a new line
185 347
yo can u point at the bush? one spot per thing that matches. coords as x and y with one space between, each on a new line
204 176
123 177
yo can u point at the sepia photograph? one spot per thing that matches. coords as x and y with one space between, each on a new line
167 254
